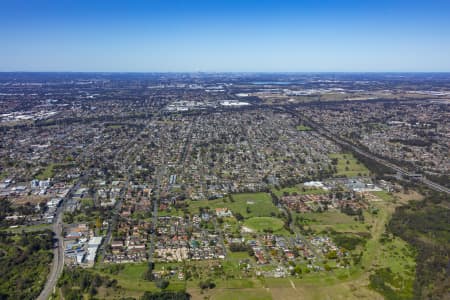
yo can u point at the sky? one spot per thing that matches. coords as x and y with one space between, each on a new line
225 35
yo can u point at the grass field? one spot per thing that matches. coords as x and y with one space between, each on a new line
235 257
231 294
299 189
264 223
248 205
321 289
349 166
303 128
50 170
242 294
46 173
131 279
331 220
383 195
27 228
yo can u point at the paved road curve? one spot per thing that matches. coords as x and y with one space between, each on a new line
58 252
58 258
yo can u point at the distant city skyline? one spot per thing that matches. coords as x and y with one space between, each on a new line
225 36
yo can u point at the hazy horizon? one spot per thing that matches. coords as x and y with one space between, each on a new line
225 36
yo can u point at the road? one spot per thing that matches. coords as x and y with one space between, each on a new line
118 205
58 252
300 236
429 183
58 258
432 185
114 220
156 198
220 234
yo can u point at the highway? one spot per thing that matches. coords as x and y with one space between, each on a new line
58 258
58 252
432 185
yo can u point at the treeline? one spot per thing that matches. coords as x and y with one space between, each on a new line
348 241
73 120
77 282
440 179
412 142
24 263
241 247
166 295
425 225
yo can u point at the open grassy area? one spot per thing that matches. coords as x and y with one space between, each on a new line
247 204
130 278
383 195
46 173
235 257
321 289
242 294
231 294
349 166
264 223
25 228
303 128
50 170
300 190
331 220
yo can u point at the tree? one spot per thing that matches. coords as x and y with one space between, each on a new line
238 216
5 208
297 270
207 284
148 274
162 284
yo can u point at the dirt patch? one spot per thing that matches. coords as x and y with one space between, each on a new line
32 199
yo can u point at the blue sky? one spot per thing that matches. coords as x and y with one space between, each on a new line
225 35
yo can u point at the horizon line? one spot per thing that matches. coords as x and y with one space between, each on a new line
236 72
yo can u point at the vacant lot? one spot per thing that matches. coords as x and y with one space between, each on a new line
349 166
231 294
303 128
331 220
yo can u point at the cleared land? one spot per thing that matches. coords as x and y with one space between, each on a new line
300 190
332 220
303 128
349 166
